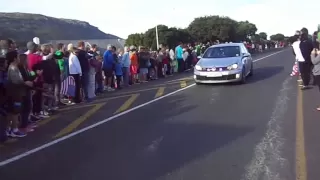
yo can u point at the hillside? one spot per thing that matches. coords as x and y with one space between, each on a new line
23 27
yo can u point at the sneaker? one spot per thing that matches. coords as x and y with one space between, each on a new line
110 89
18 134
44 114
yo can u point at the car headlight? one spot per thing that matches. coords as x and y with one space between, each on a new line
232 67
198 67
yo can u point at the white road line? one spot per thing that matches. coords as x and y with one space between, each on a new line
256 60
32 151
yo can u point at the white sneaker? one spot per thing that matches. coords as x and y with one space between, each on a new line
44 114
110 89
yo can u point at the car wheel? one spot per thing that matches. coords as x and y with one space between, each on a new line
251 70
243 78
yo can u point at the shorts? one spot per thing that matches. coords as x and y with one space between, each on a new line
108 72
133 69
13 107
143 70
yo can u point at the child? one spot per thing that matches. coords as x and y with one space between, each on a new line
118 73
15 93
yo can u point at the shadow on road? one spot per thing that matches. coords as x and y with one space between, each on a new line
261 74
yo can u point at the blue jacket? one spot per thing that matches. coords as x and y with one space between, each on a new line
125 60
118 69
108 59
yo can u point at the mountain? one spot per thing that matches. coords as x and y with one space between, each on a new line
24 26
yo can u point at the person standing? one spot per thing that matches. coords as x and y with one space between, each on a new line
75 71
144 58
108 66
125 62
84 63
305 64
179 57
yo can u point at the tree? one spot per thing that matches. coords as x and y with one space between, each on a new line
263 35
210 28
135 39
277 37
245 29
167 37
256 38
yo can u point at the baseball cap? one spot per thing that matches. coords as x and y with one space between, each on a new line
31 46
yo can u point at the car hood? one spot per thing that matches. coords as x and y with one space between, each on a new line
218 62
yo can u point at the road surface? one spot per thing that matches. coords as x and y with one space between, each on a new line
175 130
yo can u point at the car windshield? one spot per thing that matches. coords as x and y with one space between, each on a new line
222 52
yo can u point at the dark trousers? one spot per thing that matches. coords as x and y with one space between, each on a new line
26 109
181 65
118 80
3 127
77 97
317 81
305 70
84 83
37 102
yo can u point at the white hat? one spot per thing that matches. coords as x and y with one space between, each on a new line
36 40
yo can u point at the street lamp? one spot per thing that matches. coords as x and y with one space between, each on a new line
157 37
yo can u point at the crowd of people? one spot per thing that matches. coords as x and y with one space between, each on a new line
307 59
37 82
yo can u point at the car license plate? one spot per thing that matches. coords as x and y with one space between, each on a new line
214 74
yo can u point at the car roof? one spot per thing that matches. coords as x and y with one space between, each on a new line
226 44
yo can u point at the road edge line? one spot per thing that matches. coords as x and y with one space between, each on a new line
301 167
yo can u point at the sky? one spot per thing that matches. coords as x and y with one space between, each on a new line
124 17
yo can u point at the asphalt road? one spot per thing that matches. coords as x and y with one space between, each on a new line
255 131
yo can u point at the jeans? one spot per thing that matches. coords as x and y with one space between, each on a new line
125 72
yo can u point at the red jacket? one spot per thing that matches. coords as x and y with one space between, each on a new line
33 59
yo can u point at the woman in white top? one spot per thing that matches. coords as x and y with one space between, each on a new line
75 71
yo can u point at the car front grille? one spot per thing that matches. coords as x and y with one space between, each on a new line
222 78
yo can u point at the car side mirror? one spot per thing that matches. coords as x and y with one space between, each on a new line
246 54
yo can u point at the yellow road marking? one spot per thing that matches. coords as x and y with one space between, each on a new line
79 121
301 167
137 91
98 101
71 107
9 141
127 104
183 84
45 121
182 79
159 92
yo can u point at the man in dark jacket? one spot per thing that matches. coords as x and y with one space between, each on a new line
84 63
305 67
